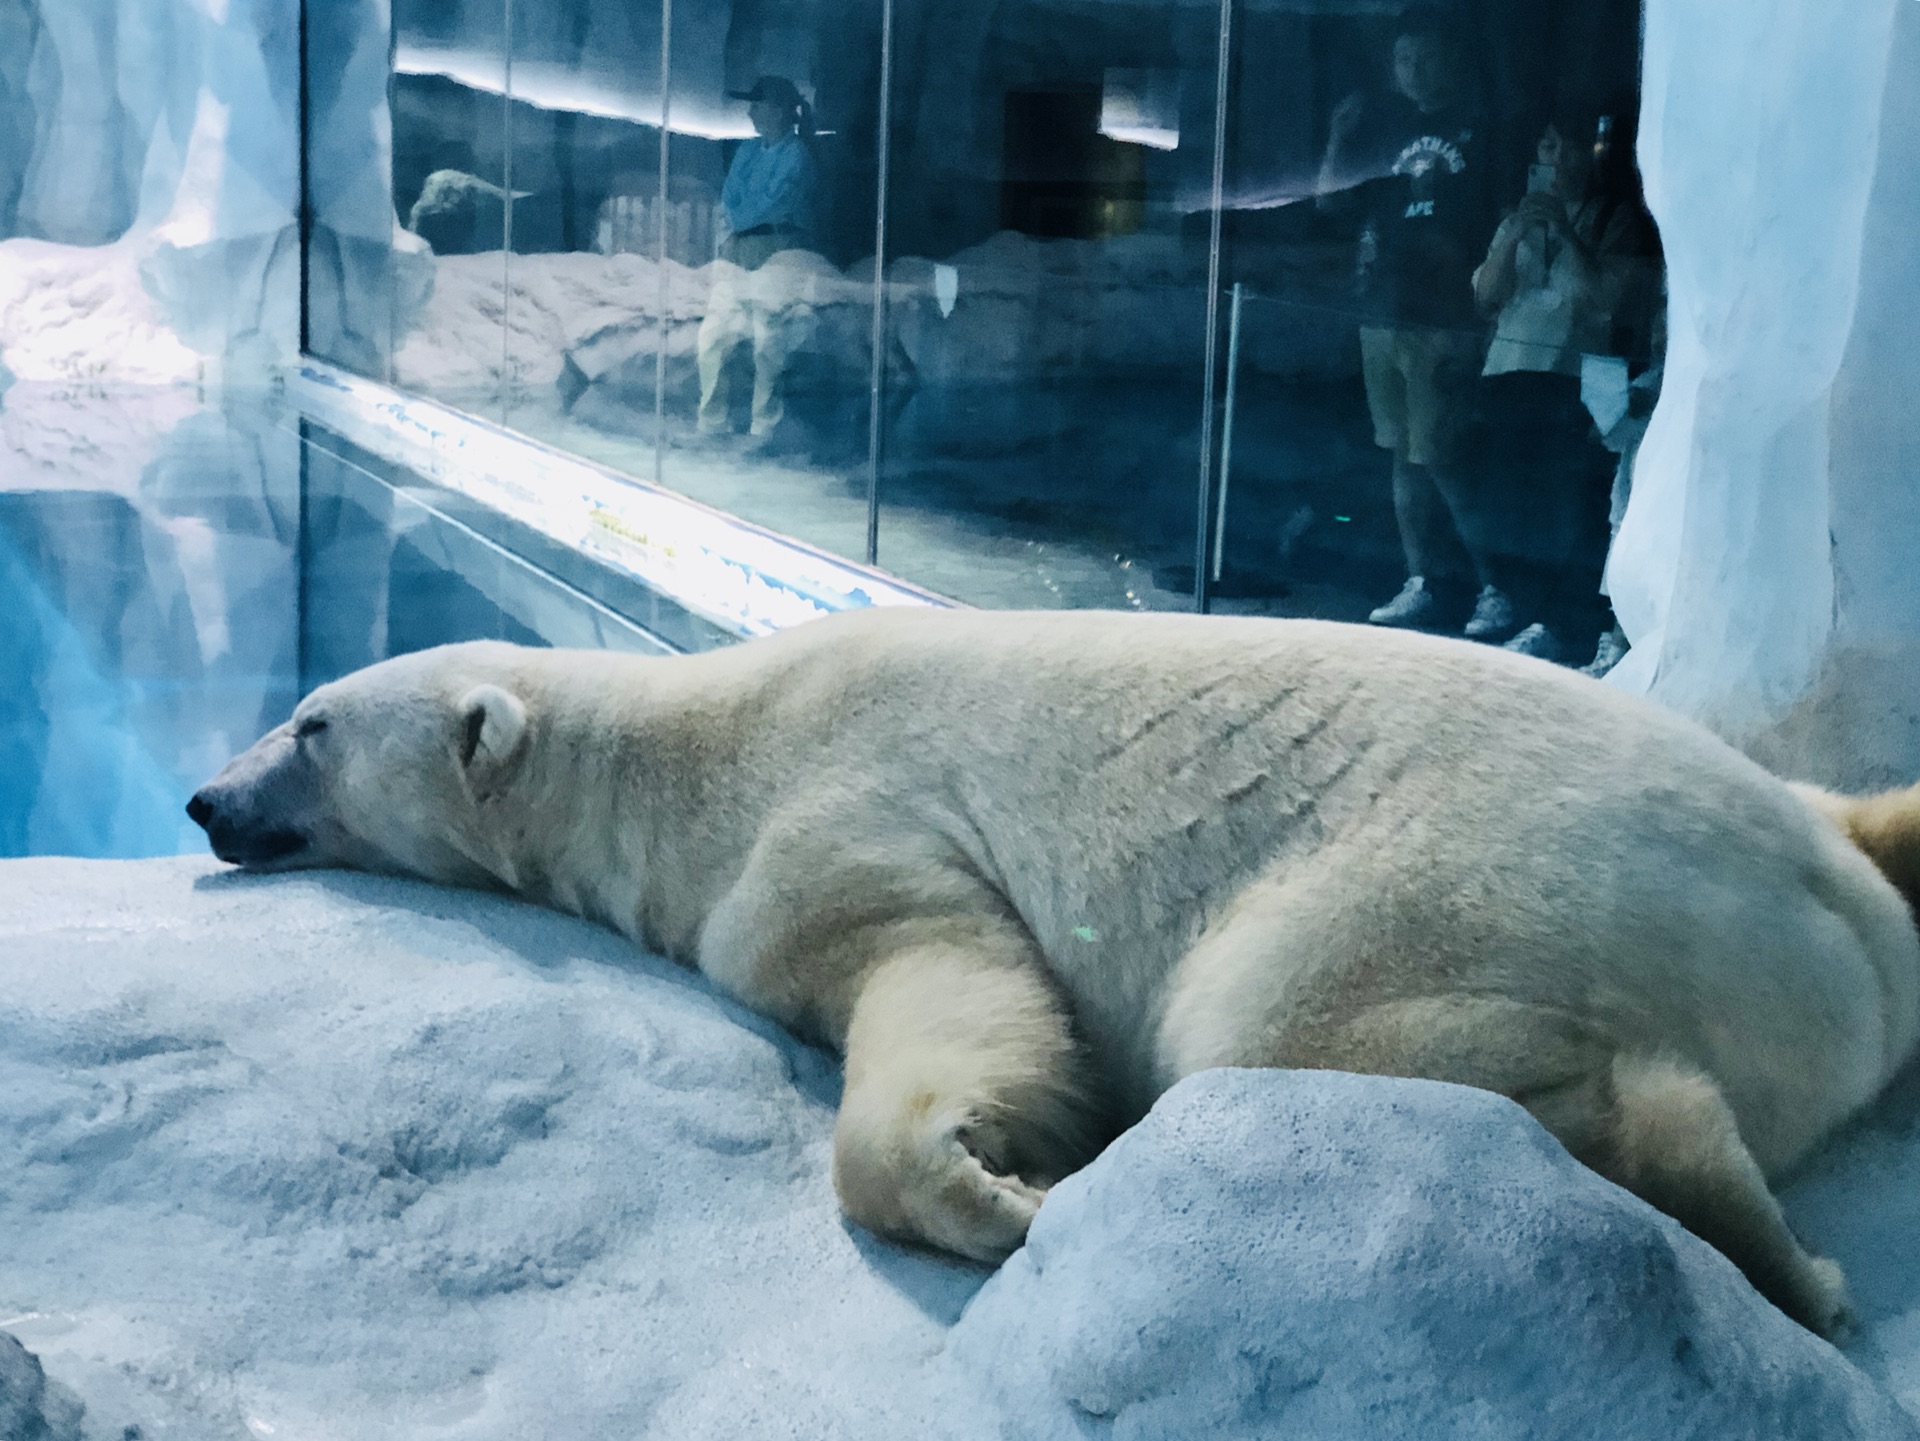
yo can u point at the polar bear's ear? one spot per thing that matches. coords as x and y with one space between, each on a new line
492 724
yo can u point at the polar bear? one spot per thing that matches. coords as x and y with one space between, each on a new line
1027 871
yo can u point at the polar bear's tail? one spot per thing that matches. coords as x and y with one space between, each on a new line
1886 827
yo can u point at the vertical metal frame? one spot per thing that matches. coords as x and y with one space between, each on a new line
1203 507
877 364
506 207
663 297
1226 431
304 129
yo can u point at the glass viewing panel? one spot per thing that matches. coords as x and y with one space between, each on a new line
1443 318
583 325
1021 300
772 180
1051 205
452 191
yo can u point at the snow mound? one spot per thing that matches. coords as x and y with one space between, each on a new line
77 315
326 1154
1325 1257
344 1156
31 1408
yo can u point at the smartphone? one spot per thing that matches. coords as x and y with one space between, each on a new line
1541 179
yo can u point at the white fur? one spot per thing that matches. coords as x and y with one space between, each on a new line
1029 870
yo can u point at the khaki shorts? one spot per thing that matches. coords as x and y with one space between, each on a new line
1419 389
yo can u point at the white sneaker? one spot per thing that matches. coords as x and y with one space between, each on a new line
1535 640
1492 615
1412 606
1612 650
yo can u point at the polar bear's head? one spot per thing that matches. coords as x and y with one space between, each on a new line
387 769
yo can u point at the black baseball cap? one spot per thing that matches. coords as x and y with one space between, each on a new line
774 88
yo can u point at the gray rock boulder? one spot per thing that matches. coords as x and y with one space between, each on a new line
32 1408
1325 1257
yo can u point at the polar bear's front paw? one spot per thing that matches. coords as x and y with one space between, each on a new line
973 1209
929 1183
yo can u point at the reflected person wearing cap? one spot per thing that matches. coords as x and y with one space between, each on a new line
768 199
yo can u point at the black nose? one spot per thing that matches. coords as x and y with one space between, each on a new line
199 811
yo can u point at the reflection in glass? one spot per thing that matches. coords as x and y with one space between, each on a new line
366 280
1048 302
452 187
765 410
767 208
1309 307
1449 293
677 306
172 587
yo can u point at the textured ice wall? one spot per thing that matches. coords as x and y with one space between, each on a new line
1772 527
156 145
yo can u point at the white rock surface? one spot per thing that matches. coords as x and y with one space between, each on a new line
344 1156
333 1155
1765 561
31 1409
1328 1256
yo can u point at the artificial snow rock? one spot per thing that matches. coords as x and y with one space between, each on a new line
330 1155
1327 1257
326 1155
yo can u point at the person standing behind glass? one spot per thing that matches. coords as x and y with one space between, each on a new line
1414 155
768 199
1558 277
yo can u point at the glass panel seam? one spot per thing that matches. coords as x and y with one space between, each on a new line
506 226
876 366
662 291
1216 202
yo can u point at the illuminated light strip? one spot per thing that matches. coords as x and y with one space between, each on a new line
729 572
550 86
1154 137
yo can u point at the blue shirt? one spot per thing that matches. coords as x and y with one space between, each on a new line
770 183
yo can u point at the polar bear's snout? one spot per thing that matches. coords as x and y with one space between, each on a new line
260 811
383 770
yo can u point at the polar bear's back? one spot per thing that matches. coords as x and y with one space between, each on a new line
1471 821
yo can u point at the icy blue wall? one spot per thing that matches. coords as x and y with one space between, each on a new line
164 136
1765 570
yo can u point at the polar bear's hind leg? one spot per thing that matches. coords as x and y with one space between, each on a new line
966 1097
1670 1137
1658 1128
